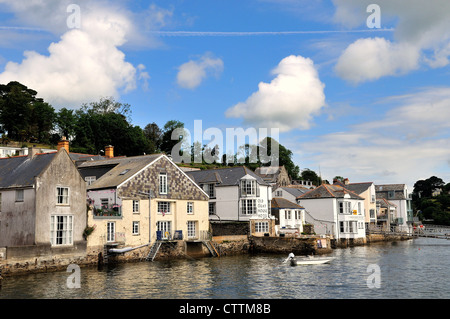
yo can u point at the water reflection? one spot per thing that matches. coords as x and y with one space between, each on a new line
410 269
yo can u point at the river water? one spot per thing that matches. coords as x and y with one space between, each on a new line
410 269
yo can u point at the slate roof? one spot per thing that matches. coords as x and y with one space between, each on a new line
278 202
329 191
295 191
358 188
122 168
21 171
382 191
228 176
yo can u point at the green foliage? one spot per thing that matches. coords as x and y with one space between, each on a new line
428 204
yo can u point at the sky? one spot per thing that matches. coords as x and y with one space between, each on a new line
353 88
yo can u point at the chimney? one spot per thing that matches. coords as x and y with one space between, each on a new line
109 151
32 151
63 144
346 181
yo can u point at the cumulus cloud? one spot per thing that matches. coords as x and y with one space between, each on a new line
86 63
373 58
408 143
192 73
289 101
421 38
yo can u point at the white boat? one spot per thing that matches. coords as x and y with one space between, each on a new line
307 260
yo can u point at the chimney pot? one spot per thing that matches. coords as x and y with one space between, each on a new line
63 144
109 151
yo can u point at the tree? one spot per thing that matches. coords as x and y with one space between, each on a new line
167 143
154 135
65 122
425 188
284 156
310 175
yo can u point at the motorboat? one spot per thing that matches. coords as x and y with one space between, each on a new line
307 260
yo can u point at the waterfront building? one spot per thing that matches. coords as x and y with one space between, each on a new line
399 196
235 193
289 216
334 210
138 200
367 191
42 207
386 212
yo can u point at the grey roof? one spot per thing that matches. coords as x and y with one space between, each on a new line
21 171
278 203
329 191
382 191
295 191
358 188
228 176
122 168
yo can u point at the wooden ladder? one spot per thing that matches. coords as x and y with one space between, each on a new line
212 249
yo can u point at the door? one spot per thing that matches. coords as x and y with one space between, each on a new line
191 229
165 228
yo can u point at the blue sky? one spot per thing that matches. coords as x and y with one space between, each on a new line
349 100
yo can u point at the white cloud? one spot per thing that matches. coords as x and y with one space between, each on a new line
409 143
421 38
373 58
289 101
192 73
85 64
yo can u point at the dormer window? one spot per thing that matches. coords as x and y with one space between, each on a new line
248 187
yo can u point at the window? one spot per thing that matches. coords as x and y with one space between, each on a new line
345 207
165 228
279 193
61 229
191 229
135 206
135 228
298 215
359 208
89 180
104 202
248 187
163 208
287 214
372 213
348 227
111 232
63 195
0 202
248 206
163 183
19 195
261 227
210 190
190 208
124 171
212 208
391 194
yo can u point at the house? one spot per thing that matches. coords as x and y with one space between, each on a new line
290 192
276 176
289 216
334 210
398 195
386 212
138 200
367 191
42 206
235 193
8 151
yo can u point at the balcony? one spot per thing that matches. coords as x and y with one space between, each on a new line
108 211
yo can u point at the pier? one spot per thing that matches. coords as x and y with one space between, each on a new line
420 231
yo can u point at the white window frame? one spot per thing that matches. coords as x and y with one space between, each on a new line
20 195
191 229
247 209
163 188
190 208
135 204
164 227
111 232
61 230
261 227
211 208
61 197
287 214
102 203
135 228
248 187
163 207
89 180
